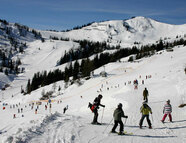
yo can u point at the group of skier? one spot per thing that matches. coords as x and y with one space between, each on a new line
119 113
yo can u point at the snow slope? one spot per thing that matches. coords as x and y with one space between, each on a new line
167 82
123 32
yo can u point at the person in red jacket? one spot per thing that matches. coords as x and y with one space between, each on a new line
167 109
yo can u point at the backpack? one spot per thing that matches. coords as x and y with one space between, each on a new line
91 106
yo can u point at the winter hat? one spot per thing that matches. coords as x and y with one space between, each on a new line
168 101
120 105
100 96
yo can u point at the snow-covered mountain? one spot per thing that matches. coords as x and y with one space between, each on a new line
163 75
124 32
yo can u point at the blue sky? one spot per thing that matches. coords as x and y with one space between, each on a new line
66 14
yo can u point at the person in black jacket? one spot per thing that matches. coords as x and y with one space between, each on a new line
118 114
95 108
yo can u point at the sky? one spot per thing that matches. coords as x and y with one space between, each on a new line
66 14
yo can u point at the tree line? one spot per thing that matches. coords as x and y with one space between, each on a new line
86 66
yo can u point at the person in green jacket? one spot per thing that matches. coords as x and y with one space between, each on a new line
145 110
118 114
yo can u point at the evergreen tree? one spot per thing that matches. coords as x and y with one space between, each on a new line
28 88
75 70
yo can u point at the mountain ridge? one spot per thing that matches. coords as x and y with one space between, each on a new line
123 32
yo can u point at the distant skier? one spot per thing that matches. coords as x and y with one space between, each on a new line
36 111
145 110
65 109
45 107
118 114
167 111
95 108
145 95
135 84
142 81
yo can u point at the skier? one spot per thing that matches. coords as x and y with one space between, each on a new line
64 109
167 111
36 111
145 94
45 107
145 110
95 108
135 84
118 114
142 81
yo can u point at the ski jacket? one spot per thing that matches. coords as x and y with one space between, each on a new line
118 114
97 102
167 109
145 110
145 93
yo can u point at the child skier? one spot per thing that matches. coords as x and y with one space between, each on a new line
145 110
118 113
167 111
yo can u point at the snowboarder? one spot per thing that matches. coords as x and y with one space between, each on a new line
95 108
145 110
118 114
145 94
167 111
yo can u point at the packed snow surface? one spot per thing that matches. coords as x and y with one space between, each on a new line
165 80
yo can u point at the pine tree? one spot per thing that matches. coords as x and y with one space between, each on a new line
28 87
75 70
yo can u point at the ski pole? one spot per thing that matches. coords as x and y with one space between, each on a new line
102 114
108 125
125 121
152 118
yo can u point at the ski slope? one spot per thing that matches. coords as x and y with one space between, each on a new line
167 81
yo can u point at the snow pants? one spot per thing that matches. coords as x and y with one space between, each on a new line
148 120
95 116
116 124
165 115
145 98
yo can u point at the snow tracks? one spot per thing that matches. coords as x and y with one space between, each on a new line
55 128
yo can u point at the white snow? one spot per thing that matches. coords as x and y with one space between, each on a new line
167 81
115 32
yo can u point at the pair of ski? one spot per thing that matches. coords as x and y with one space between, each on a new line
124 133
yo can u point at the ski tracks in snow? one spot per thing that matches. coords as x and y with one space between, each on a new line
56 128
